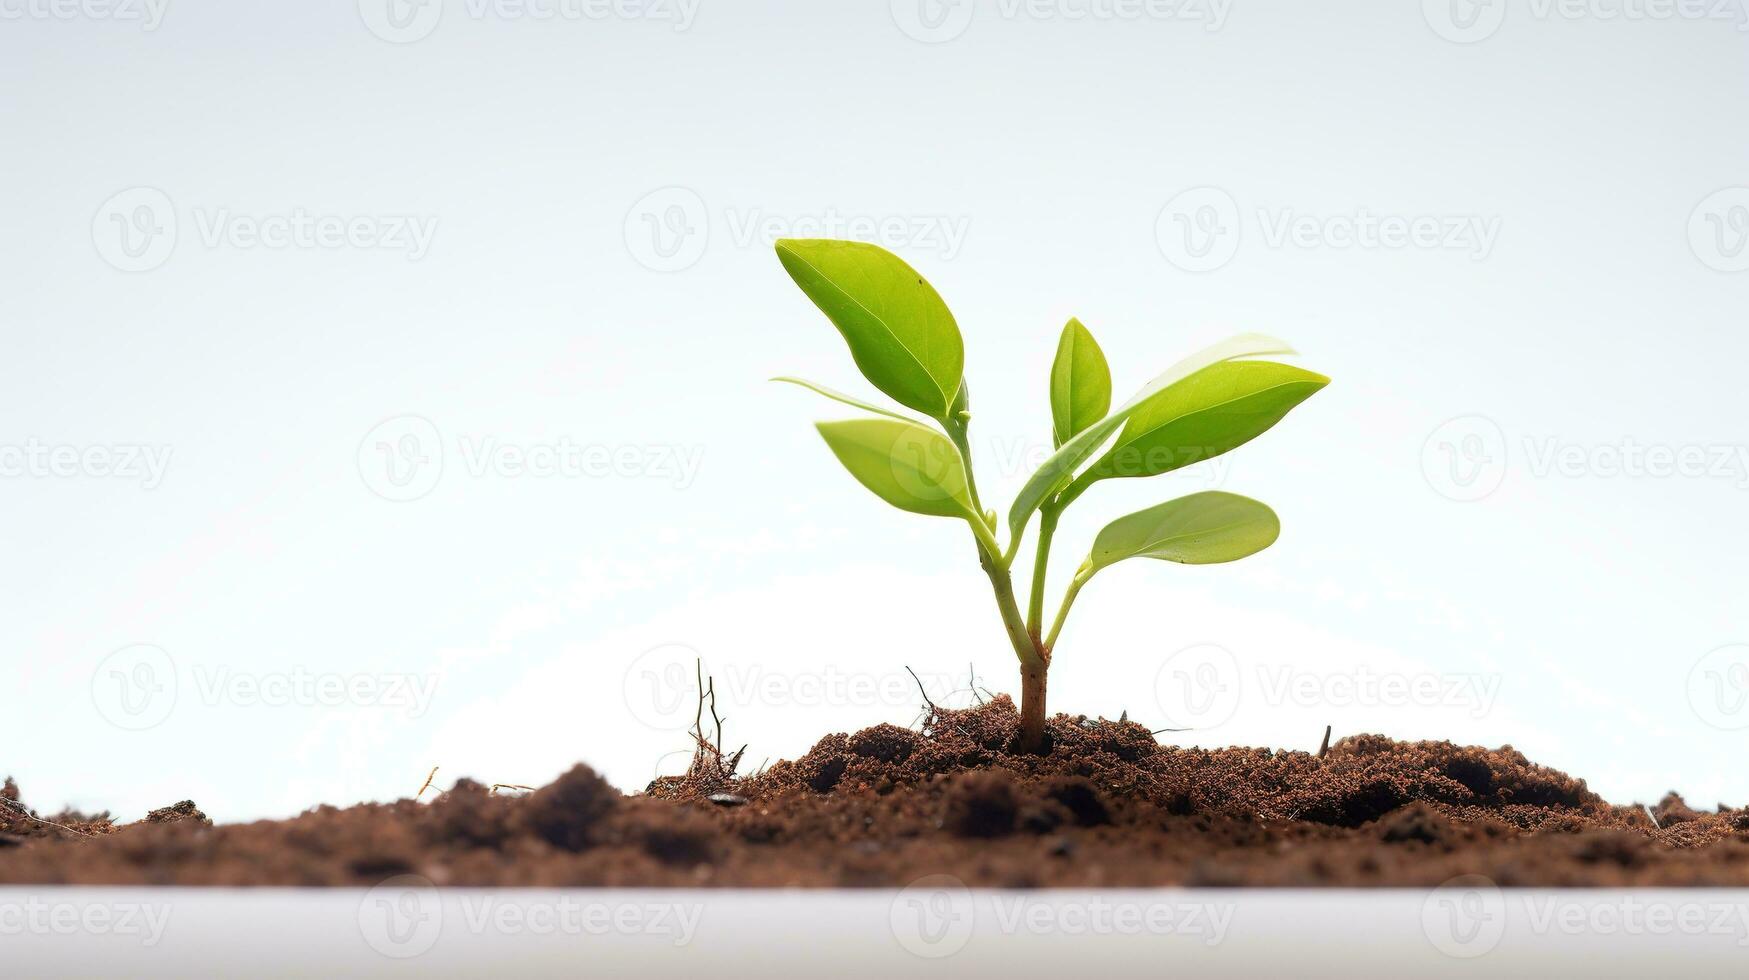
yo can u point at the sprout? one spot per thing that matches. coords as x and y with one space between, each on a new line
905 341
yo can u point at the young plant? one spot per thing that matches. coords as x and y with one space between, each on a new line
906 343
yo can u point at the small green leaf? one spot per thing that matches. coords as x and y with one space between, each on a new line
1080 383
1215 410
1201 529
1062 464
909 466
901 334
839 396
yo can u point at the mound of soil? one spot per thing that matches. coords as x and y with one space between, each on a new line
1106 806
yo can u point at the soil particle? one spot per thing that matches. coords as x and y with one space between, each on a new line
564 812
1106 806
1416 822
1621 848
380 866
1079 796
21 822
824 765
186 810
470 815
1671 810
981 804
1042 816
885 743
681 839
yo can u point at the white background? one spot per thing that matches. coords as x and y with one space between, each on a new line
599 188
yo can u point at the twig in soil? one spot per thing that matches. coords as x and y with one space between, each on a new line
709 761
26 814
428 778
1325 748
921 692
1652 816
516 786
926 714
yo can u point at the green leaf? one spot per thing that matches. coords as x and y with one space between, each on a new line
910 466
1062 464
901 335
839 396
1201 529
1215 410
1080 383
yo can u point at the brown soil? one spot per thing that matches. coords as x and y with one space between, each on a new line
1106 806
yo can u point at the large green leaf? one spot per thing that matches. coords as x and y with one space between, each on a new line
1201 529
901 335
1080 383
839 396
1062 464
910 466
1217 409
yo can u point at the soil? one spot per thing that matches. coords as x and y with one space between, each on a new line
1106 806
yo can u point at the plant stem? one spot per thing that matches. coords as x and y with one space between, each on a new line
1034 658
1032 706
990 551
1003 584
956 432
1081 578
1013 547
1047 527
987 545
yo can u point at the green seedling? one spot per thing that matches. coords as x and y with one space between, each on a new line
906 343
